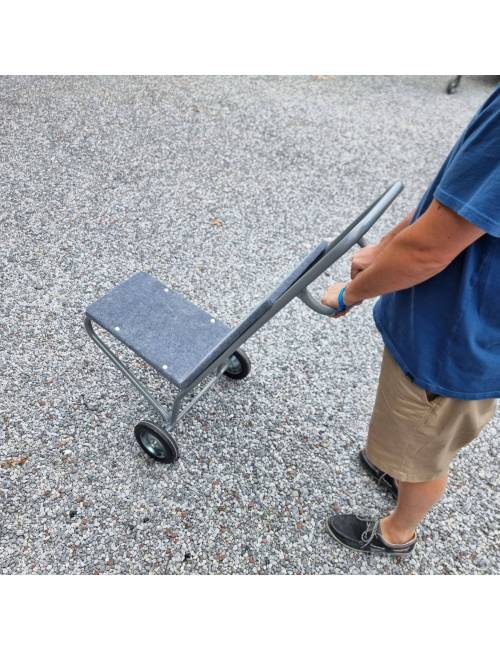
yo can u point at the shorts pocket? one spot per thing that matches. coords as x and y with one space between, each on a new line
430 396
400 396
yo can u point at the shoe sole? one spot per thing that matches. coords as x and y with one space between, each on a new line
360 550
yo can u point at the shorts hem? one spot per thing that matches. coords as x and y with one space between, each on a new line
402 475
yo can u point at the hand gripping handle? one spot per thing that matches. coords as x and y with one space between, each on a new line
354 234
306 296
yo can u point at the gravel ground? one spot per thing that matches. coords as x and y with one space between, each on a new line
217 186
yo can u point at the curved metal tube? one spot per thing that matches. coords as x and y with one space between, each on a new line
315 305
128 374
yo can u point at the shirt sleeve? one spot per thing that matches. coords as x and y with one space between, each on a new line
470 184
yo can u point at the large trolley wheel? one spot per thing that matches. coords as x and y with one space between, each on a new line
156 442
238 365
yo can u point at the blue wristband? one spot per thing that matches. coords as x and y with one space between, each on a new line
340 300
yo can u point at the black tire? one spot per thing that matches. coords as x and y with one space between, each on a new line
239 365
155 442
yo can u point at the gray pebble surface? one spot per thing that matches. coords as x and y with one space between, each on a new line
217 186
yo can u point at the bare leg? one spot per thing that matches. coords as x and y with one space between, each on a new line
414 502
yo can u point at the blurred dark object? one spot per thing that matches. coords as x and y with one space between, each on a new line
452 86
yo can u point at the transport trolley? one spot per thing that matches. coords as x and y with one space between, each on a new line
187 345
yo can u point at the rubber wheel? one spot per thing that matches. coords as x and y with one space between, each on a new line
239 365
452 87
156 443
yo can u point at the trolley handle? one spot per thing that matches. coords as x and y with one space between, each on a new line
307 298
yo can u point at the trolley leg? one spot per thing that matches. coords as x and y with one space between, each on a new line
177 414
165 415
170 418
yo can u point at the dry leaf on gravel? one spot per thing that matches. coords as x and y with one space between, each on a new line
7 463
215 221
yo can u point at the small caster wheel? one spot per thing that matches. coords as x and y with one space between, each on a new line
156 442
452 86
239 365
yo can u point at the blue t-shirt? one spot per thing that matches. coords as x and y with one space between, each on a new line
445 332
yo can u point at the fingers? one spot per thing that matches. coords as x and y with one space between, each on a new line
329 297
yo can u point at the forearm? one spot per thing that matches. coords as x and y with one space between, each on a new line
413 254
399 265
388 237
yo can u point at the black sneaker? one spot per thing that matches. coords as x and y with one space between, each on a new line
381 477
363 534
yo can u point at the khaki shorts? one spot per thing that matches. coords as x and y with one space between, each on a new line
413 434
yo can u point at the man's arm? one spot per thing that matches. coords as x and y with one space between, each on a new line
417 253
362 259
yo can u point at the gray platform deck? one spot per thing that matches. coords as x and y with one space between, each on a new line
168 331
164 328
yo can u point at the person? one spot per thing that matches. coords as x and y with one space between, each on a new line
438 275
